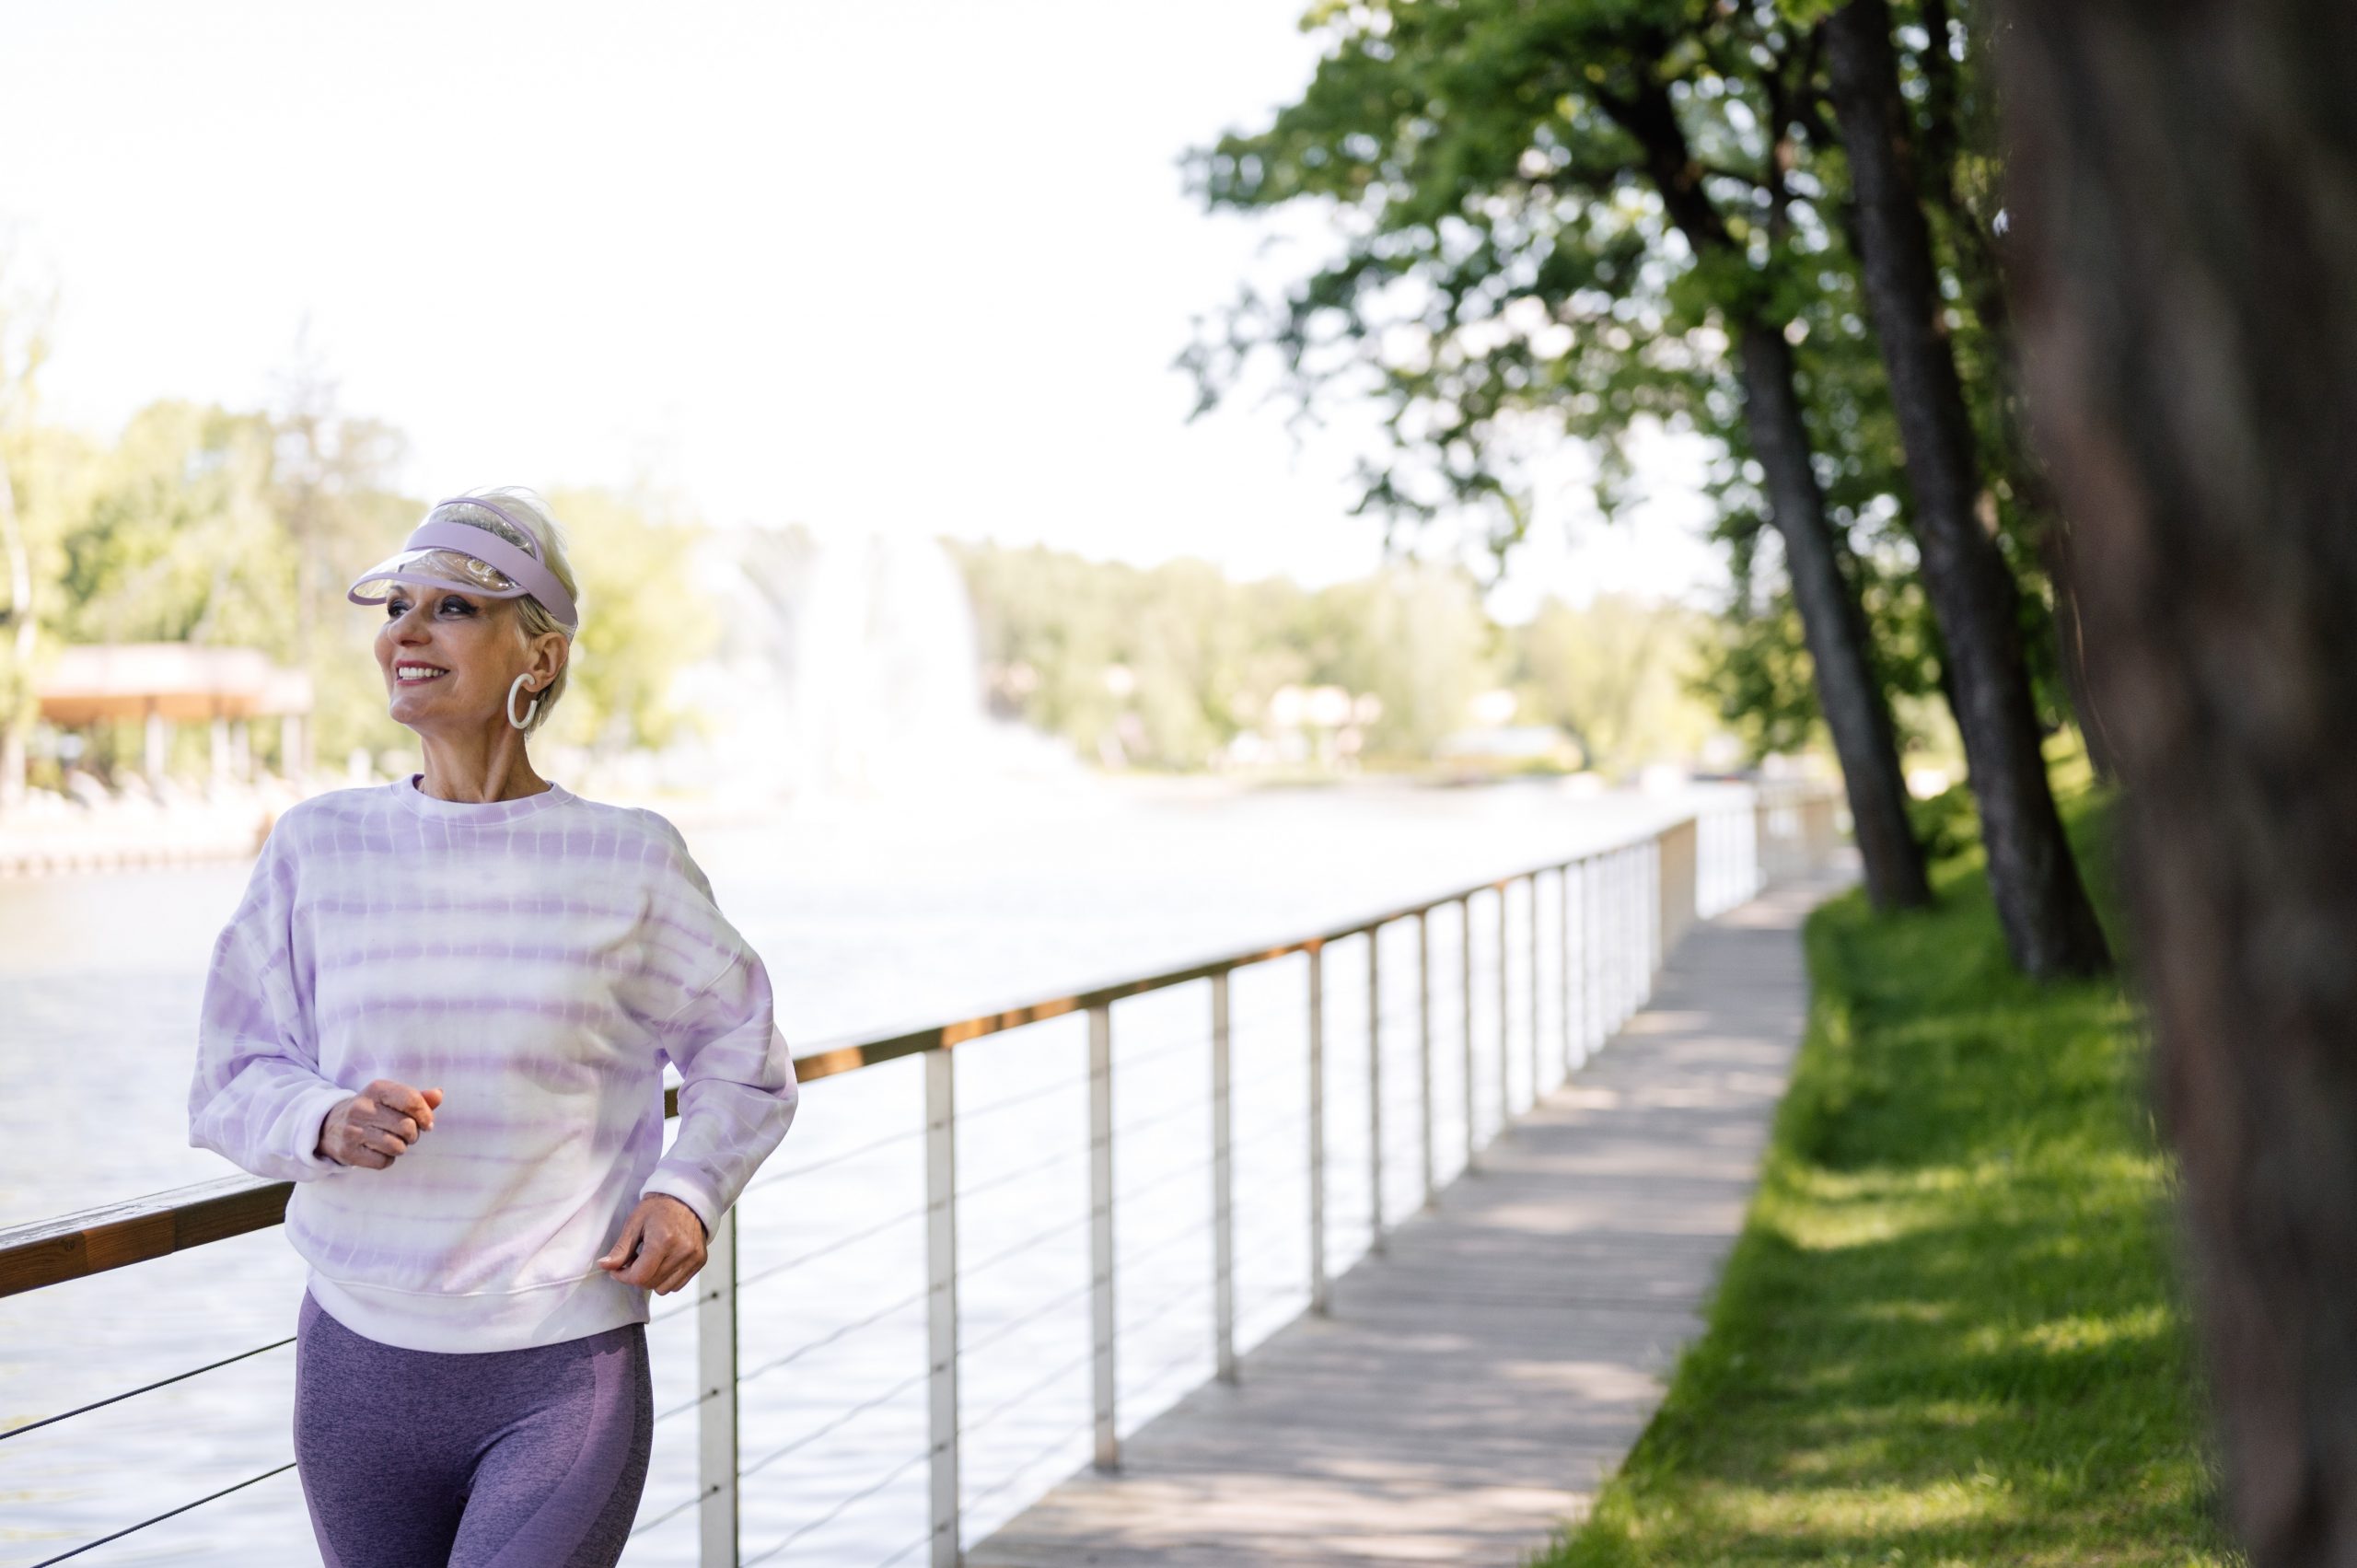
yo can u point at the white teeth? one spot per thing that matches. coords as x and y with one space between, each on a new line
417 671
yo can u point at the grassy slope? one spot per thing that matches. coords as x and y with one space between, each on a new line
1950 1332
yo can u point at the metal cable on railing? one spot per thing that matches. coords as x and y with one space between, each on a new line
1164 1243
89 1545
1197 1038
1192 1106
921 1540
666 1517
873 1401
707 1293
999 1332
1028 1242
1163 1308
968 1428
1260 1135
1061 1157
836 1245
1010 1477
1023 1096
894 1474
663 1415
144 1388
833 1335
1163 1179
768 1177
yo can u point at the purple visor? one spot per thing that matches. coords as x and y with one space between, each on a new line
445 552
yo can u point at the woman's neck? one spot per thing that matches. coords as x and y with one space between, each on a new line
479 767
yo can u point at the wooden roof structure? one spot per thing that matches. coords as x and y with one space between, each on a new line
181 681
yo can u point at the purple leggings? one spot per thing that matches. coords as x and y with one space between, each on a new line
519 1459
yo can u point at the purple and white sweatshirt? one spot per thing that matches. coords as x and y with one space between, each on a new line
537 960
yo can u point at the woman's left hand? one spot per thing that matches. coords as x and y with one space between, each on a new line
669 1240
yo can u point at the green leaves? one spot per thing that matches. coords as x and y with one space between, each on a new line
1558 215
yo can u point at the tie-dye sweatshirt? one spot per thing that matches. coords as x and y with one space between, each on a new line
537 960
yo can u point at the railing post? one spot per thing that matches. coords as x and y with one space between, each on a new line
1591 958
1563 964
1648 922
1505 1021
1633 920
1624 899
1620 936
1536 1087
941 1311
1318 1302
1424 1046
1222 1191
1608 969
1101 1229
1649 864
1375 1090
1465 998
716 1417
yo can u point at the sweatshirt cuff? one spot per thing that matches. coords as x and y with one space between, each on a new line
310 1114
688 1191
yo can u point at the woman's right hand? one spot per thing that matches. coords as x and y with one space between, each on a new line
378 1124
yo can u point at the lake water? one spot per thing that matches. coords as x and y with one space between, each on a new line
870 918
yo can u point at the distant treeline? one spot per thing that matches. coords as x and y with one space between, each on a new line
241 527
1198 657
231 528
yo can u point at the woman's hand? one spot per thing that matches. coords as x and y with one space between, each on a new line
378 1124
668 1239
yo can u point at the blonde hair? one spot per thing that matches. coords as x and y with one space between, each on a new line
547 542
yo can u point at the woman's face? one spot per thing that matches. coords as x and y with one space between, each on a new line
449 657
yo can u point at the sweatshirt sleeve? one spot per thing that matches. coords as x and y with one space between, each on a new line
258 1096
736 1092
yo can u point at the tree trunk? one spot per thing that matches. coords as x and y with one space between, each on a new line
2185 191
2071 647
1834 623
2050 925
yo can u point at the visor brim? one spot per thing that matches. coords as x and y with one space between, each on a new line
436 567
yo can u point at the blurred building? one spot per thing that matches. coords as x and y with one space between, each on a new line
163 684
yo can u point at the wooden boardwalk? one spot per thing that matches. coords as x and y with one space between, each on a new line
1475 1382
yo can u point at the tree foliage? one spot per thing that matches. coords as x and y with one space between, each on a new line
1201 657
231 528
1505 273
1616 676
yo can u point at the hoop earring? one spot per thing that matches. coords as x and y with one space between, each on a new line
531 712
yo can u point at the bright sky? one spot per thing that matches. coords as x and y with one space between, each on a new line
916 266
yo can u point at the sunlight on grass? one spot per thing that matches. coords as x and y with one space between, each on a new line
1951 1331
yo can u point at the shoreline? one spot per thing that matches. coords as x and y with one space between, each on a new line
201 834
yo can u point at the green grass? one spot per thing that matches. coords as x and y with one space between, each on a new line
1951 1331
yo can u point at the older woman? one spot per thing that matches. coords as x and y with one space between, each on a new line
442 1011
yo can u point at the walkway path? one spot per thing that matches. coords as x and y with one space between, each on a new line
1473 1383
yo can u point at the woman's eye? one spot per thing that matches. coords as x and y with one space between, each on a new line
395 608
459 604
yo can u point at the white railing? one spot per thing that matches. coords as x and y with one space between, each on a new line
1616 913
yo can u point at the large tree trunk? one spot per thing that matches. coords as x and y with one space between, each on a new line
1856 708
1980 267
2051 927
1833 622
2184 188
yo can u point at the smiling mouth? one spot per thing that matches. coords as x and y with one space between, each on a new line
413 674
